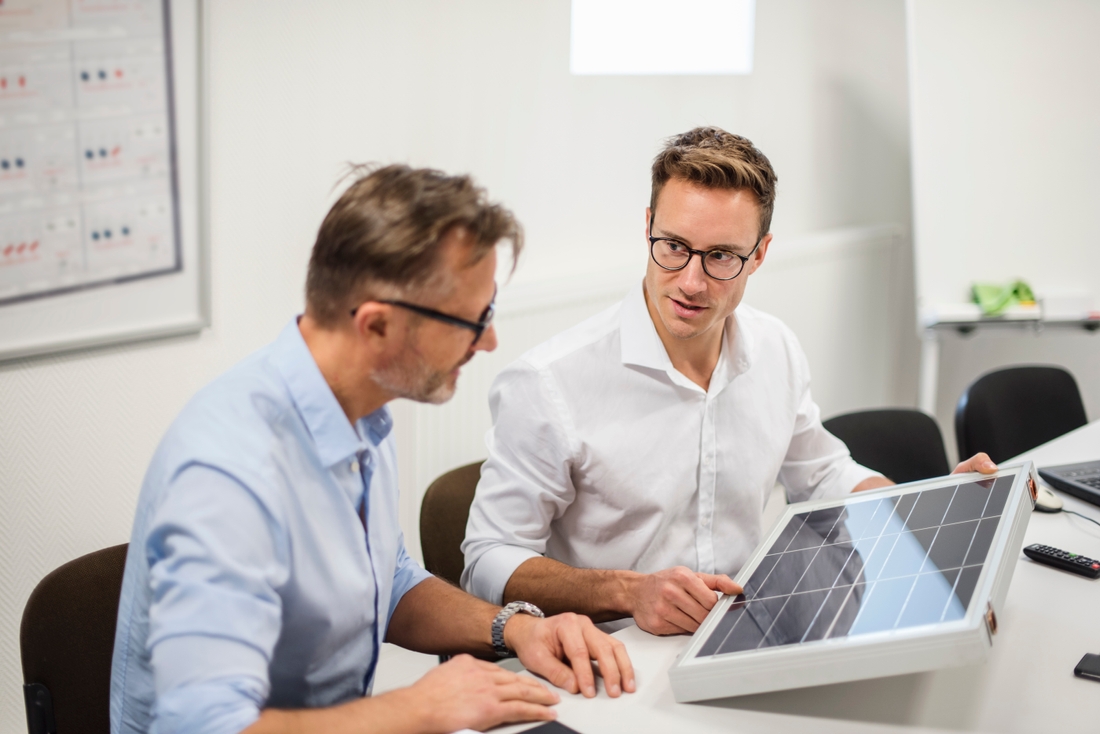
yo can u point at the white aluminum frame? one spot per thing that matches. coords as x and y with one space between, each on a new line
871 655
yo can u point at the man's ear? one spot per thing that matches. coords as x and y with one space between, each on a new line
648 214
374 322
757 258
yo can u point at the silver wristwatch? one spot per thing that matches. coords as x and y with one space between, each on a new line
503 616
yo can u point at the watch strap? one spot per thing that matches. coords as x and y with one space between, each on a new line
503 616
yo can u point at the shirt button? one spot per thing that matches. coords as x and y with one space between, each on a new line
354 466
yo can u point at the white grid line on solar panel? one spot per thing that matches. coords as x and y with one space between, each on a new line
995 492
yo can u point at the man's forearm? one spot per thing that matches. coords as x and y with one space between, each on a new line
872 483
389 713
555 588
436 618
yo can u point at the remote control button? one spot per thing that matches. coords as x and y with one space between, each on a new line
1096 567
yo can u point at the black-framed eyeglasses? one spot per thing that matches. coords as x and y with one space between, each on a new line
719 263
478 327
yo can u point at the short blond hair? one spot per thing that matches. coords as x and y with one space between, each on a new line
714 158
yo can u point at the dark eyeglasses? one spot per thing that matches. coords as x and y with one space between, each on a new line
478 327
719 263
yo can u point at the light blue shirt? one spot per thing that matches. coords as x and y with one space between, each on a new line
250 581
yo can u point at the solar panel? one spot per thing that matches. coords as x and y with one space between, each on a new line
892 581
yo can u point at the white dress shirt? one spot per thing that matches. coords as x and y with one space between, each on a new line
603 455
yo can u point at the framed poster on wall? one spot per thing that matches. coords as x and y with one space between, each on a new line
102 212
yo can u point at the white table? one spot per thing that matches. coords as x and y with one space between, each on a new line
1050 619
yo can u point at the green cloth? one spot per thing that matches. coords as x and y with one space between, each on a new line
994 299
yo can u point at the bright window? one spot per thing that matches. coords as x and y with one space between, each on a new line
662 36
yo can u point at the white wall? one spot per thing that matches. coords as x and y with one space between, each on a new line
478 86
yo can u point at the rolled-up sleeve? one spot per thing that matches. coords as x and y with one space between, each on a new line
817 464
407 574
525 483
216 559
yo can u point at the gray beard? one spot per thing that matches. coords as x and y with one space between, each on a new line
414 379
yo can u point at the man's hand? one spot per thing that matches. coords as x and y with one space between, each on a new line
542 645
979 462
677 600
465 693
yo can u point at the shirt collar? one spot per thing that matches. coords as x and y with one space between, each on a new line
641 345
335 438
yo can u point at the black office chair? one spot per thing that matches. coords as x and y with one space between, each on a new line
66 641
1009 411
904 445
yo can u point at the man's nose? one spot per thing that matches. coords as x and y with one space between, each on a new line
488 340
693 279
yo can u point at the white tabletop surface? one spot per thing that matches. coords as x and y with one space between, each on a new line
1050 619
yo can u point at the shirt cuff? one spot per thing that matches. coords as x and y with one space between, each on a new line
488 576
403 580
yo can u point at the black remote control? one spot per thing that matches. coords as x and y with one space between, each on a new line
1063 560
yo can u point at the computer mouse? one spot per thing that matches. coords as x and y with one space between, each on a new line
1047 501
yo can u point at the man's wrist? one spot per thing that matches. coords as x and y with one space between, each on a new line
516 630
624 591
500 622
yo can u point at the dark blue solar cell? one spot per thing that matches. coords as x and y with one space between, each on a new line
997 497
794 618
723 628
849 611
950 546
860 520
875 561
882 606
760 575
928 600
908 554
970 499
821 624
983 538
968 580
787 534
825 568
931 508
787 572
746 633
903 505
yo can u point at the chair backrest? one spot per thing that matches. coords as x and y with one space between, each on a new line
66 640
1009 411
443 514
905 445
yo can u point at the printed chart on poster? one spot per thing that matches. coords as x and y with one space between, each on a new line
98 172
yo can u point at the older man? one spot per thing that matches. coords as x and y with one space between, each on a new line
631 456
266 566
